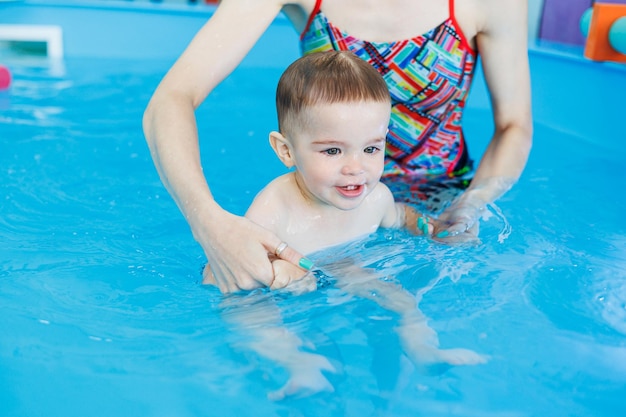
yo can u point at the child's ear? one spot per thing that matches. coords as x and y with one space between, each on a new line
282 147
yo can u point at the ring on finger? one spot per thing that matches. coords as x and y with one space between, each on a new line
280 248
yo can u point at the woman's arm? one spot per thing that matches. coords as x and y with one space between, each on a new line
502 44
503 47
236 248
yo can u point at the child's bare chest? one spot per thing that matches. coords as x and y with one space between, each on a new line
311 230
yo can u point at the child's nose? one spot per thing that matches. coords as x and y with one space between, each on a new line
353 166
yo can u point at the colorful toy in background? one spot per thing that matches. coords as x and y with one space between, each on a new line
5 78
604 27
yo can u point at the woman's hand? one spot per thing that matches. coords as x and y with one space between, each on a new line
459 222
238 252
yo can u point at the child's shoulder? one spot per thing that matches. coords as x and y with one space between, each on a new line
382 193
392 213
272 199
280 187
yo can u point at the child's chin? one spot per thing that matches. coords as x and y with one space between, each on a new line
351 203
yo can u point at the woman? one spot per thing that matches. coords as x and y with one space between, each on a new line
428 66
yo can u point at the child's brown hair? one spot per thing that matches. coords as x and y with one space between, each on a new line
326 78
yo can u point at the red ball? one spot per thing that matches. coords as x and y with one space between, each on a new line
5 77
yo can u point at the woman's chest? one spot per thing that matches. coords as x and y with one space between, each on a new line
390 20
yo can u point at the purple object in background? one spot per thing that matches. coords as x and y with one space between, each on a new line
560 21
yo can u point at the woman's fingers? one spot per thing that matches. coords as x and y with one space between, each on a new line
426 225
457 233
236 252
207 276
285 252
240 254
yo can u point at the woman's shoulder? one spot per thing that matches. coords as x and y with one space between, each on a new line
488 13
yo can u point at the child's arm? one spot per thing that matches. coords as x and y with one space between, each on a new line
400 215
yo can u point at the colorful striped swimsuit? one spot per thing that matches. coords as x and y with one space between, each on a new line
429 77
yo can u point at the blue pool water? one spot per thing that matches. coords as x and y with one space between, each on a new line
102 312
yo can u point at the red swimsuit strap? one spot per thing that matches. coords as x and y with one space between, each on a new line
464 40
318 5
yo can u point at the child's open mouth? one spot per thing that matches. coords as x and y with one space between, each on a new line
351 190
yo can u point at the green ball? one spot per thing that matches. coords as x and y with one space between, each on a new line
617 35
585 21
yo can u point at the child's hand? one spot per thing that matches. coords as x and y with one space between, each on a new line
291 277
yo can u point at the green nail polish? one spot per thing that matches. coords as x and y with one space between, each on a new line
443 234
425 229
305 263
420 223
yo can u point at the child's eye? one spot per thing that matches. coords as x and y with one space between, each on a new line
371 149
332 151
